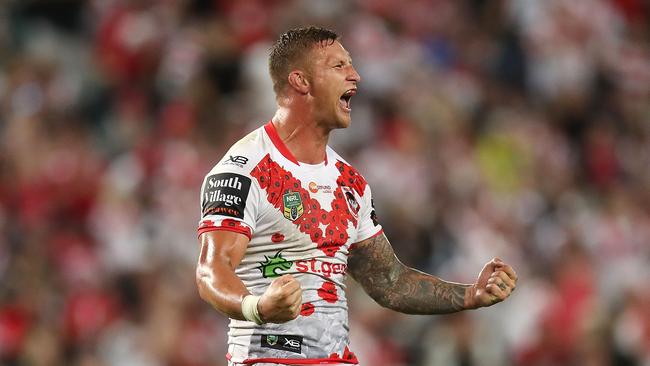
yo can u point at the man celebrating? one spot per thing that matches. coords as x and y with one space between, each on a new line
285 218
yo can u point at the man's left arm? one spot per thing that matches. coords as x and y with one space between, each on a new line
373 264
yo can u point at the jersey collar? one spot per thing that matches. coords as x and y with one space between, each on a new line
277 142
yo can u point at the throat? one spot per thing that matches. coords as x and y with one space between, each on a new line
308 145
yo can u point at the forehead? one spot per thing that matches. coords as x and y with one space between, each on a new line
324 53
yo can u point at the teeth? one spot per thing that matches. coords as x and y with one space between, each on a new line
346 97
349 93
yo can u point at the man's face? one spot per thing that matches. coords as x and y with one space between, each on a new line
333 83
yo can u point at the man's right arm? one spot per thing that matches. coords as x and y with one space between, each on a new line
221 252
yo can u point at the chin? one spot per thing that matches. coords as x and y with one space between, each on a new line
343 122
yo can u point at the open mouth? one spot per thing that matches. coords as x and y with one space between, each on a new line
345 99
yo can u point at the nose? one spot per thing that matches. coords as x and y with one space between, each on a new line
353 75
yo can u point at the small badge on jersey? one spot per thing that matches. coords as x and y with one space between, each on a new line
282 342
292 204
353 205
225 194
373 214
272 265
236 160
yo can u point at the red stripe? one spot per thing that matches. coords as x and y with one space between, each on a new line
300 361
239 230
277 141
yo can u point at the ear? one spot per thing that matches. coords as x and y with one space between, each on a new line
298 81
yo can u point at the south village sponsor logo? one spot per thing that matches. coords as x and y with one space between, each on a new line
225 194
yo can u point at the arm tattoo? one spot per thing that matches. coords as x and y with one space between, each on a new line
393 285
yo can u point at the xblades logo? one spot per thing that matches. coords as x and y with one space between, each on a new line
272 265
237 159
282 342
291 343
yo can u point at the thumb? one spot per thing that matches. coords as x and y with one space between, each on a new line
491 265
278 282
284 280
487 270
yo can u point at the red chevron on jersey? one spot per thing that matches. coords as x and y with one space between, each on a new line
277 181
350 177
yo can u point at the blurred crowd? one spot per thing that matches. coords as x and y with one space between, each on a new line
510 128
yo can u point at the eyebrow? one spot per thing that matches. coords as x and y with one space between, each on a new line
338 60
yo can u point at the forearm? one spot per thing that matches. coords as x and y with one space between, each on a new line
222 289
414 292
374 265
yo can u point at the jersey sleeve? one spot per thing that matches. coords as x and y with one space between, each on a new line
229 197
368 224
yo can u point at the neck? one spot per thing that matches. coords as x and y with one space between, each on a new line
302 135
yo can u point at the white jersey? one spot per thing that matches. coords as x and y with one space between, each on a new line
301 220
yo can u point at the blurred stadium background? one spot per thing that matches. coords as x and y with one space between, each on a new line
511 128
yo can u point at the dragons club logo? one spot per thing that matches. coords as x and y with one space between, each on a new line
273 265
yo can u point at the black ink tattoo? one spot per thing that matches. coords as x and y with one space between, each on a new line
393 285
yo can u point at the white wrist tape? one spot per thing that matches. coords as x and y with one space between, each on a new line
249 309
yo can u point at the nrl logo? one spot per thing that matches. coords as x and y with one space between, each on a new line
272 340
272 265
292 204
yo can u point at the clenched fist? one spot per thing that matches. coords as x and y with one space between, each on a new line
281 301
495 283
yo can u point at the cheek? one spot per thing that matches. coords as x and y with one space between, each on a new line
325 97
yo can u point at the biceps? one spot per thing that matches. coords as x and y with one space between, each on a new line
222 247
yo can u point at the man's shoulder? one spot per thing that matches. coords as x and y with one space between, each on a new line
243 155
340 162
349 175
332 155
